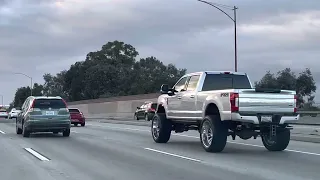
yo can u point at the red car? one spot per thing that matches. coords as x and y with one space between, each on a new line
77 117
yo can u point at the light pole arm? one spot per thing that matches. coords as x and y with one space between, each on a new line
31 83
219 9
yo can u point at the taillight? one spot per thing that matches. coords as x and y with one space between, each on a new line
234 102
295 103
33 102
65 103
32 106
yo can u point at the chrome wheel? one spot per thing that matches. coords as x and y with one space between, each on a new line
268 140
206 134
155 127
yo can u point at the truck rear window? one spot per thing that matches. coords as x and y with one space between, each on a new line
225 81
49 103
74 110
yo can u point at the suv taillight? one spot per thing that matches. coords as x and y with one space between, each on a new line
65 103
32 106
234 102
295 103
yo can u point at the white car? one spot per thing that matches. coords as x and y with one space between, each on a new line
13 113
3 113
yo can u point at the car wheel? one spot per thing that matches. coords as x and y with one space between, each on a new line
75 124
280 141
25 132
213 134
135 117
83 124
161 128
18 130
66 133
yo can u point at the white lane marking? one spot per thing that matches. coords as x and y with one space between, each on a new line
2 132
174 155
306 127
231 142
74 131
111 127
36 154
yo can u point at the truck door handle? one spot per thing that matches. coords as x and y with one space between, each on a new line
191 96
179 97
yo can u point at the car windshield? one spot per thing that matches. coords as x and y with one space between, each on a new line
74 111
49 103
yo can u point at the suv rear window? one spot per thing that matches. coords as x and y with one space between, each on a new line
49 103
74 110
225 81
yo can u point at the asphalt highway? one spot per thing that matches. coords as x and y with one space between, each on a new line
103 151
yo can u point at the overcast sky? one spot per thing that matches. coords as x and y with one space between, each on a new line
47 36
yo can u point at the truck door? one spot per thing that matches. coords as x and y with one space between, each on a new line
189 98
174 101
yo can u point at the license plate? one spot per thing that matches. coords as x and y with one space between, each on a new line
49 113
266 118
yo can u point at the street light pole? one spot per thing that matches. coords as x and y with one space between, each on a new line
31 82
234 19
1 101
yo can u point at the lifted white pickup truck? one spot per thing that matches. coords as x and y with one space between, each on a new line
219 104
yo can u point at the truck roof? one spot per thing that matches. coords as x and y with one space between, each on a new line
217 72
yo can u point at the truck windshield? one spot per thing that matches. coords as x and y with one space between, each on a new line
225 81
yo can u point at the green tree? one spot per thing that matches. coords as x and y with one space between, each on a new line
303 84
114 71
54 85
23 93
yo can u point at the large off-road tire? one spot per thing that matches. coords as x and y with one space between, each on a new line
161 128
280 142
213 134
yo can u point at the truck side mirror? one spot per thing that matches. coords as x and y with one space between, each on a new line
164 89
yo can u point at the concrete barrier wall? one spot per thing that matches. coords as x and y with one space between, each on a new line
113 108
123 107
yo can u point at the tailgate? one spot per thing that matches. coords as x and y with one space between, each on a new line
75 115
266 101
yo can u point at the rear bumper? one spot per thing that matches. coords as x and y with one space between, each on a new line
40 126
79 120
277 119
